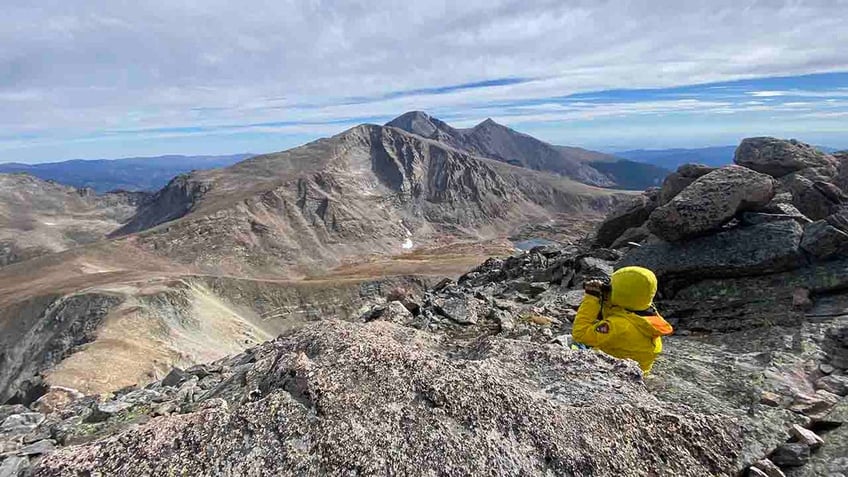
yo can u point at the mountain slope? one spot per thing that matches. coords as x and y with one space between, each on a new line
39 217
495 141
368 190
135 174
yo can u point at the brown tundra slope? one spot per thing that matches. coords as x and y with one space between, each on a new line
38 217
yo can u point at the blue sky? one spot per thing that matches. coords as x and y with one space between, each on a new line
105 79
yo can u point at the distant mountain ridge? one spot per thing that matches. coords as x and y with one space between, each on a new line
673 158
495 141
714 156
131 174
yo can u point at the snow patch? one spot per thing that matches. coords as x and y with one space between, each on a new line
408 244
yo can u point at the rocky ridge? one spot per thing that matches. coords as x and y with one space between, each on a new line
492 140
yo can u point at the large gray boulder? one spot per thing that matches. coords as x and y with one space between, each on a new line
778 157
675 182
824 241
711 201
841 178
629 214
742 251
815 199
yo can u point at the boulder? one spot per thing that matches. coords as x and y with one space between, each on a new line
837 385
632 213
41 447
824 241
813 199
806 436
675 182
21 423
395 312
176 377
778 157
631 235
769 468
461 310
742 251
13 466
56 399
756 218
792 454
710 202
841 178
839 219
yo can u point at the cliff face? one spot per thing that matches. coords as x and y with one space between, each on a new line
368 190
495 141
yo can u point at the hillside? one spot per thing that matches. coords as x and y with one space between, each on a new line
132 174
369 190
492 140
39 217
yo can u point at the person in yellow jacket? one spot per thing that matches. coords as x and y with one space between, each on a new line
621 320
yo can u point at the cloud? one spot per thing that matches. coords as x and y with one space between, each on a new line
78 69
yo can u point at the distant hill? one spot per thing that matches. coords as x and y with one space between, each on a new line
131 174
632 175
673 158
496 141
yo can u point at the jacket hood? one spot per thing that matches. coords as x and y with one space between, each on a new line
633 288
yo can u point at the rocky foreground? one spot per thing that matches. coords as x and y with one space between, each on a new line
472 376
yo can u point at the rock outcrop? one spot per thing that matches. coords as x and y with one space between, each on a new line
711 201
680 179
631 213
777 157
382 399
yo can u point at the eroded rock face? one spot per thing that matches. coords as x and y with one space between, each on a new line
815 199
758 249
778 157
711 201
629 214
680 179
378 398
824 241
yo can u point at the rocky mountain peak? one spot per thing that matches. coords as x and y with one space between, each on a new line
489 123
422 124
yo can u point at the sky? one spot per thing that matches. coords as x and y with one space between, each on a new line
115 78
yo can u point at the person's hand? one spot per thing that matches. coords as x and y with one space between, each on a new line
593 286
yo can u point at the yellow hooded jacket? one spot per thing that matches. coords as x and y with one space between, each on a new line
629 326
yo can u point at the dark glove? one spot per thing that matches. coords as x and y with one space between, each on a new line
594 287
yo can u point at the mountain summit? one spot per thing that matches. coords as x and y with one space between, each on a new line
495 141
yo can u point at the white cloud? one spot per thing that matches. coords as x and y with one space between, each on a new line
101 65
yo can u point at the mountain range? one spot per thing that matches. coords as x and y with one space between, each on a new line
179 277
488 139
131 174
671 159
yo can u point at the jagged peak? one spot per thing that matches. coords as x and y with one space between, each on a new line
489 123
420 123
